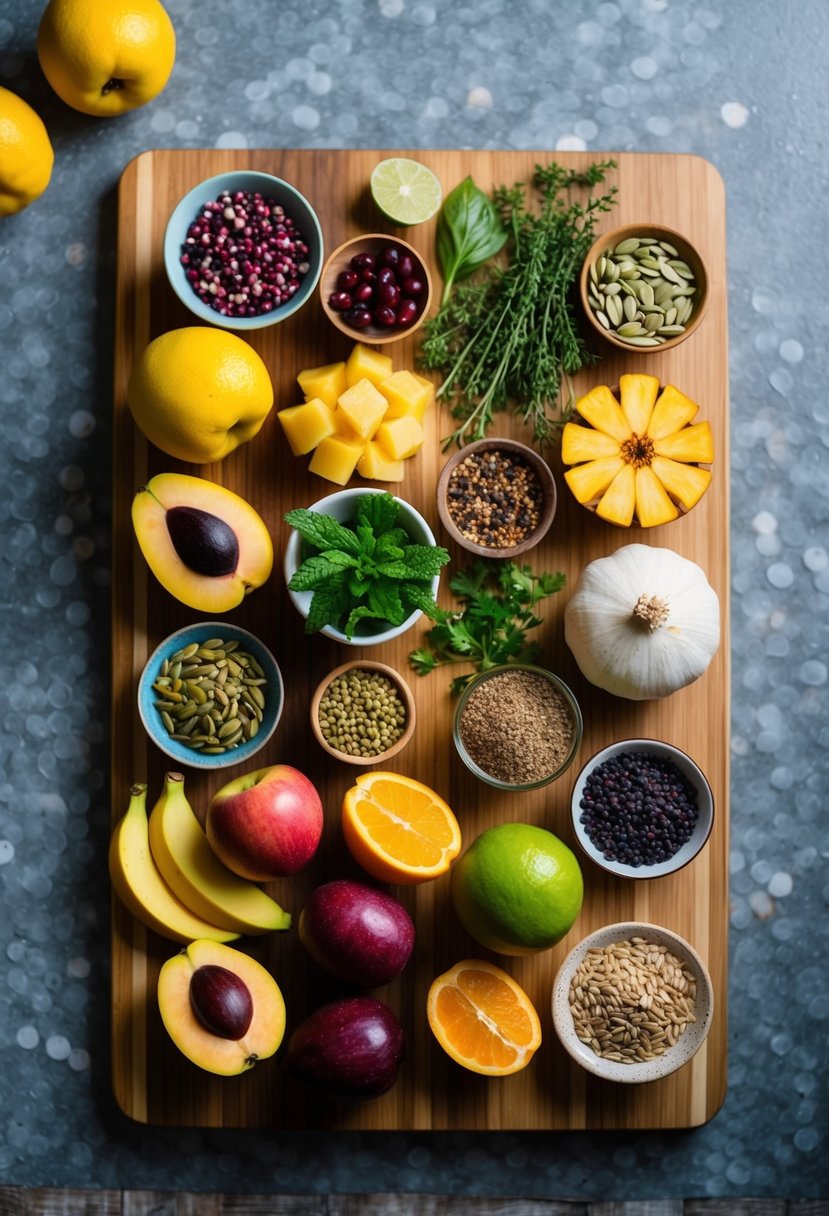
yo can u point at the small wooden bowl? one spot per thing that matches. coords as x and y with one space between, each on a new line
688 254
372 242
404 692
535 462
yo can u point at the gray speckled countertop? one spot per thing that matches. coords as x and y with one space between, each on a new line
740 83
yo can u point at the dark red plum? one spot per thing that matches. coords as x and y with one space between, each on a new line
351 1048
359 933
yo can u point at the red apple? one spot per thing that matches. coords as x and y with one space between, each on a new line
265 824
351 1048
357 932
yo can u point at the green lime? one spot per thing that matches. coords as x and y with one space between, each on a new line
517 889
404 190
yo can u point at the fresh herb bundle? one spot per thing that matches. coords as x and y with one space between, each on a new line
498 608
509 338
366 571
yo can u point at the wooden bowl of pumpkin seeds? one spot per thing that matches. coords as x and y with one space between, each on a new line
363 712
210 695
644 287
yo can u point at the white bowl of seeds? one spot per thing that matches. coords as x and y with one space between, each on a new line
632 1002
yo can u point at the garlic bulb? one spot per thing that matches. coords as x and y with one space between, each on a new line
643 622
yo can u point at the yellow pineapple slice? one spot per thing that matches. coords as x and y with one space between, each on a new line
588 481
653 505
684 482
601 409
637 395
673 410
617 503
583 443
691 443
324 382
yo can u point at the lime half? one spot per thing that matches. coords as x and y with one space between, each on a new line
404 190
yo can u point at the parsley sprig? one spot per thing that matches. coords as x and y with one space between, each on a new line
498 601
368 571
509 337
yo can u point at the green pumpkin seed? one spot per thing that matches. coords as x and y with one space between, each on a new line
646 295
614 310
629 307
670 315
602 318
653 322
663 293
612 289
669 249
186 653
168 722
630 330
594 274
650 340
672 329
230 728
630 245
213 751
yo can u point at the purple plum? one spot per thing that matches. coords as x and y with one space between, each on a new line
357 932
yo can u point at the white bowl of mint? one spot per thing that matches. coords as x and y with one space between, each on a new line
362 566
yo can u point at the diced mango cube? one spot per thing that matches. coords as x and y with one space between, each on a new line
400 437
407 394
377 466
324 382
364 363
306 425
362 407
335 459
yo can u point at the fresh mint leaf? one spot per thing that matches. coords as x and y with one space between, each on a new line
417 596
424 561
361 613
322 531
384 599
378 511
365 539
358 585
327 607
316 571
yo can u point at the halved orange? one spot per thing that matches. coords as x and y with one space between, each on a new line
398 829
483 1019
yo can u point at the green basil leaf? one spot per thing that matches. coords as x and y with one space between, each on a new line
470 232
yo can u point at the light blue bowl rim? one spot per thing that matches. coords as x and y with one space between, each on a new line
149 714
183 215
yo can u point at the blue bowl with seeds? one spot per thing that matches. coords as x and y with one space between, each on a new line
253 248
210 695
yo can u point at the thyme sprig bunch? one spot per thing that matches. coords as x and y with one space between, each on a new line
508 338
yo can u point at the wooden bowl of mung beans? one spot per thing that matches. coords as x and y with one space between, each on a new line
363 712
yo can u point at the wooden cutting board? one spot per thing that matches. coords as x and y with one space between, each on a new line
153 1083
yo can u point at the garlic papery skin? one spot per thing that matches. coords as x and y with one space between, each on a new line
643 622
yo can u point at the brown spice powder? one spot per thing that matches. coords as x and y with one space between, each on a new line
517 727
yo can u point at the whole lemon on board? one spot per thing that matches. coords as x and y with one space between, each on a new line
26 155
517 889
104 57
198 393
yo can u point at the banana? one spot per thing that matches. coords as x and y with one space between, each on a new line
139 884
196 875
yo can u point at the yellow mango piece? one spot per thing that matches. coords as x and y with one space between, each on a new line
638 394
673 410
601 410
694 443
335 459
653 505
685 482
362 408
617 503
407 394
364 363
307 425
324 382
400 437
375 465
583 443
590 480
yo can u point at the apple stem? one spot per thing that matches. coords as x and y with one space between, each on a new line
112 86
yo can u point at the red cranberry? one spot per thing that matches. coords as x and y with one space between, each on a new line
384 316
386 275
405 267
391 256
389 293
357 318
368 275
406 313
347 279
340 301
412 286
364 293
363 261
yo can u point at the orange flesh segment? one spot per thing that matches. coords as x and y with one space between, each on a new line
483 1019
399 829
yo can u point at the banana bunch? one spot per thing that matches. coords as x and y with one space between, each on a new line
164 871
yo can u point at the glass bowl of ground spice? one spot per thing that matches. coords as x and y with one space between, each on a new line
363 712
642 809
496 497
632 1002
517 726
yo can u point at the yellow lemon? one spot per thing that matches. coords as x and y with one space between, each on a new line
26 155
197 393
104 57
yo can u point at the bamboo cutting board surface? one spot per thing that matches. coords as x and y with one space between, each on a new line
153 1083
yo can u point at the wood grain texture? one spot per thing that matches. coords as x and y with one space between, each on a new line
152 1082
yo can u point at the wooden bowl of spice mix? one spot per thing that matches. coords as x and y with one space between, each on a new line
517 726
363 712
496 498
632 1002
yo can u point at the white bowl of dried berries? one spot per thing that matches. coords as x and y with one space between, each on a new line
642 809
632 1002
243 250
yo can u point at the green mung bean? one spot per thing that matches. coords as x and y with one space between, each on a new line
361 713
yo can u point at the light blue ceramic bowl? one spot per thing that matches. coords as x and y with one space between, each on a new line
287 196
150 715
